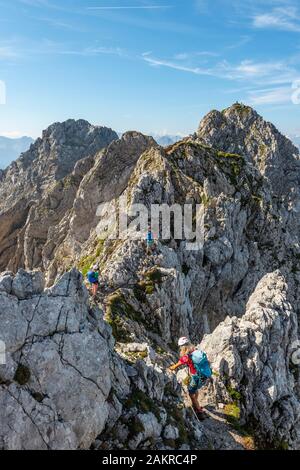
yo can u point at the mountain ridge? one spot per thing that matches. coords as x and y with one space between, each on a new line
239 293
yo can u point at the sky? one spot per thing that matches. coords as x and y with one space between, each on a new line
157 66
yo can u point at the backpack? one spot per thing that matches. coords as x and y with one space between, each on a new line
201 363
92 277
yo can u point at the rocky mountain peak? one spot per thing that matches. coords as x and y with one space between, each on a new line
239 129
134 136
51 158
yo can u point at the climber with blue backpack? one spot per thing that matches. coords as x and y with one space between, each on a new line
149 240
93 278
199 370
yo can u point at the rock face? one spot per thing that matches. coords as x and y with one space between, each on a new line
239 289
48 161
50 340
51 158
253 356
63 385
239 129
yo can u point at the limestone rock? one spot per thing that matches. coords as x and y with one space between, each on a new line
252 356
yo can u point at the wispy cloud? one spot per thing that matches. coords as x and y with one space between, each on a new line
283 18
22 49
93 51
240 43
174 65
262 83
129 7
195 55
281 95
271 72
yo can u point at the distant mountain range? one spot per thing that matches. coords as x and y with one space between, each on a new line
295 139
10 149
163 140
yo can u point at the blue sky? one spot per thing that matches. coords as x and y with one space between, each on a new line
151 65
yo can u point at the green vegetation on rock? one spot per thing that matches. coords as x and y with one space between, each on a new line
143 403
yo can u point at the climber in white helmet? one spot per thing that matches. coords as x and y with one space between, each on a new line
199 370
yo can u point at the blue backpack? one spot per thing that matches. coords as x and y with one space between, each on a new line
201 363
92 277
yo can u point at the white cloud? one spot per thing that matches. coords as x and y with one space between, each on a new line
22 49
249 71
284 18
174 65
281 95
93 51
128 7
270 72
263 83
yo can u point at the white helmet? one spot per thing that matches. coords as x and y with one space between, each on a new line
182 341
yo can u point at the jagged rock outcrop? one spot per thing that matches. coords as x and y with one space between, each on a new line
48 161
63 385
58 374
239 129
51 158
253 358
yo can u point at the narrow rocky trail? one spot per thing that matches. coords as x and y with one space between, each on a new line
220 435
217 432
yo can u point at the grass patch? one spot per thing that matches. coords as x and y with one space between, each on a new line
143 403
234 394
176 418
233 414
117 308
154 275
234 164
281 445
205 200
85 264
69 181
152 278
240 108
135 427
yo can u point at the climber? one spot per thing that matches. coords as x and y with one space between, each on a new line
93 278
199 371
149 240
